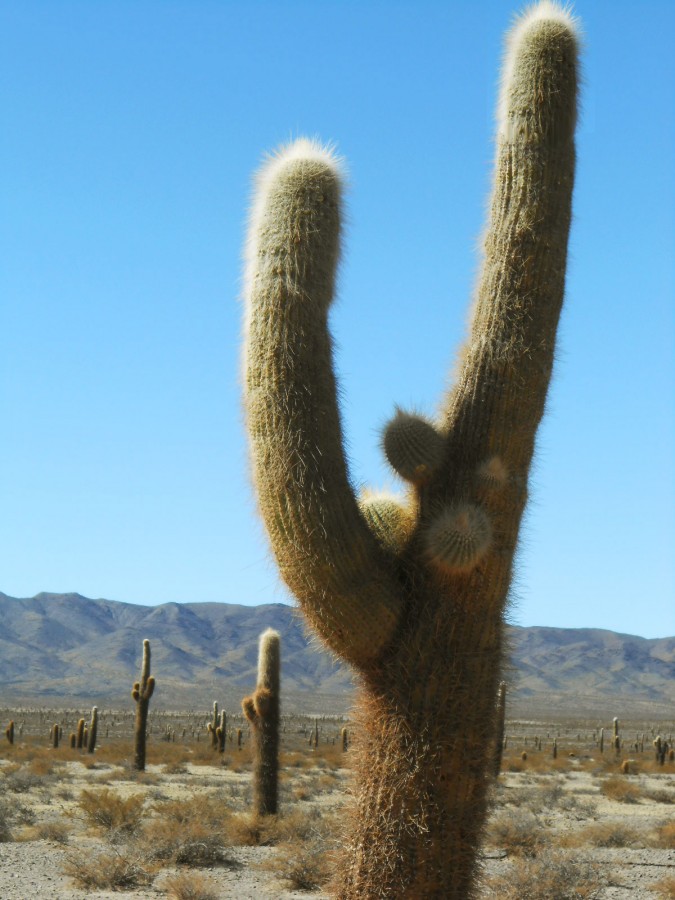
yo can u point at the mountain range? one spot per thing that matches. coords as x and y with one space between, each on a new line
65 650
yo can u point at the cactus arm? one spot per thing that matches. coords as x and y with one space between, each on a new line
326 553
499 398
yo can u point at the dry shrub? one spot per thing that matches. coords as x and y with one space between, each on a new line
113 869
660 795
190 887
301 866
520 833
665 889
12 813
56 831
606 834
111 811
190 832
620 789
665 836
252 830
551 876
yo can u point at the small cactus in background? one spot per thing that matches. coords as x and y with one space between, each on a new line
262 711
92 731
616 739
240 738
601 744
80 734
221 732
213 726
499 736
9 732
344 734
420 618
54 736
73 740
555 748
141 692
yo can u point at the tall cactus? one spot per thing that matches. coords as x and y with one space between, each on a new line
141 692
262 711
412 593
92 731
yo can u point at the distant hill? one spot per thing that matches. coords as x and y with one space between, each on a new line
65 649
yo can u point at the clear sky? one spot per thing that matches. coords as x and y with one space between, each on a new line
130 132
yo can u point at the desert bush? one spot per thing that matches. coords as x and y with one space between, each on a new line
665 836
605 834
56 831
301 866
22 781
252 830
664 889
111 811
619 788
114 869
551 875
659 795
190 887
520 833
12 813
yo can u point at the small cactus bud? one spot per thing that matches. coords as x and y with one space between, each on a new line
459 538
388 519
413 447
492 473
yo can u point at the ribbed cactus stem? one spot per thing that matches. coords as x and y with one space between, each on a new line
141 693
420 618
9 732
54 736
262 711
93 730
79 740
499 729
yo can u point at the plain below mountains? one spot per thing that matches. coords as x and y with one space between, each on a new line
65 650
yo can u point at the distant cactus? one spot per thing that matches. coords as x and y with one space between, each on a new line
601 744
213 726
499 730
54 736
616 739
262 711
92 730
80 734
344 734
422 619
555 748
141 692
9 732
221 732
73 740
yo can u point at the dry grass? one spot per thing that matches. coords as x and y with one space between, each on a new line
619 788
551 876
190 887
664 889
112 812
605 834
518 832
665 836
115 869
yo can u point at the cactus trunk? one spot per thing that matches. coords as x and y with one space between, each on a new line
262 711
413 594
141 692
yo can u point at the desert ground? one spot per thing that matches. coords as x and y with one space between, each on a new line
74 824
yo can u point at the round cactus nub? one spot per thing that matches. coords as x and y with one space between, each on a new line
413 447
459 538
390 521
493 473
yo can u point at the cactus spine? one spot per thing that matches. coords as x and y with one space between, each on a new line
421 619
141 692
262 711
92 731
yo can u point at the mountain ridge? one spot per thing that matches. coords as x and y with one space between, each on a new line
67 649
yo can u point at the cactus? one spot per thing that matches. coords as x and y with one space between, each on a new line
221 732
602 740
499 730
92 730
262 711
212 726
141 692
554 751
422 618
9 732
54 736
616 739
73 740
80 734
344 735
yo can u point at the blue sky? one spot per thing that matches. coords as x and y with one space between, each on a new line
131 131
